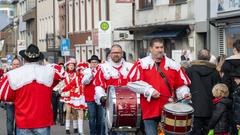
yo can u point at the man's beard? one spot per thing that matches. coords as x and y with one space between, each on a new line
159 55
116 59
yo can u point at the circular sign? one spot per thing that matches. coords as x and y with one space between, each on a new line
104 26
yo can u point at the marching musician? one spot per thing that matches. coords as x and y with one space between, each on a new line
77 98
66 96
113 72
159 80
95 111
29 87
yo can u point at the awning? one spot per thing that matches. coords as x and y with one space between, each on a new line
163 34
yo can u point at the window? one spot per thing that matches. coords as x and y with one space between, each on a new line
145 4
177 1
232 34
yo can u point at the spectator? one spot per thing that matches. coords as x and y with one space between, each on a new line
221 113
203 76
236 97
230 65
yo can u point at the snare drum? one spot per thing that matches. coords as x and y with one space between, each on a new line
177 118
122 108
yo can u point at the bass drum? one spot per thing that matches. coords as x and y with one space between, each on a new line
122 108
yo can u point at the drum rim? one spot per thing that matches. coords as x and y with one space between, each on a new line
180 113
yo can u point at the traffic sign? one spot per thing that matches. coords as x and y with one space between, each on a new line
65 47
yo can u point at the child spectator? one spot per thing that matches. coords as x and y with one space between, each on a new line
222 107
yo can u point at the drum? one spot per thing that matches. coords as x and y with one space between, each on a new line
122 108
177 118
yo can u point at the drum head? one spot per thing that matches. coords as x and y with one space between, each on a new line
178 108
110 106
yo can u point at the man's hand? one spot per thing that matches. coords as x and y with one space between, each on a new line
156 94
187 96
103 100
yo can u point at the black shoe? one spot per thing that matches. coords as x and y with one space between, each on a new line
76 130
67 131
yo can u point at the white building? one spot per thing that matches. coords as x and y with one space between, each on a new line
83 18
47 28
181 23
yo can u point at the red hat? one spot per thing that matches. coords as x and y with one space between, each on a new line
70 61
82 65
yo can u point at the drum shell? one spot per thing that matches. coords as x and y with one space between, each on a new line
123 108
177 122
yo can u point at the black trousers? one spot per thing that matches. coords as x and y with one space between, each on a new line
55 100
200 125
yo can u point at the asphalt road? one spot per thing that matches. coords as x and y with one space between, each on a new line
55 130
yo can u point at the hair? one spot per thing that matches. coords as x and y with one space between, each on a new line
236 45
16 58
116 45
204 54
220 90
154 40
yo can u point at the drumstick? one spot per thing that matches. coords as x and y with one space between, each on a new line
185 97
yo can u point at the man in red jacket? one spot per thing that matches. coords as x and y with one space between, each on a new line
146 80
96 121
29 87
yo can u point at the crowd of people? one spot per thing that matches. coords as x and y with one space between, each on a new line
38 94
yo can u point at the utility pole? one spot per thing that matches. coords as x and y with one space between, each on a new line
54 33
66 24
208 26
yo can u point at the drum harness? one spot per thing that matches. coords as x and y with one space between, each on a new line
172 98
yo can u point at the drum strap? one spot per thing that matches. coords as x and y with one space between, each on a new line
164 78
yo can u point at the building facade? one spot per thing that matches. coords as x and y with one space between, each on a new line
48 37
83 17
225 20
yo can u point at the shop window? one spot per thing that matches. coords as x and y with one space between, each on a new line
232 34
145 4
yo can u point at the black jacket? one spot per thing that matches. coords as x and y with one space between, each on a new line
236 105
228 67
221 116
203 76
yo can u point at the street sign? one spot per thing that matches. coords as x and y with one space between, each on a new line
104 34
9 58
65 47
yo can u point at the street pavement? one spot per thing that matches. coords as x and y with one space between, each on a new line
55 130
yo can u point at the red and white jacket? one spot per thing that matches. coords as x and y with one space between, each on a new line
30 88
76 88
144 79
110 73
66 95
87 81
